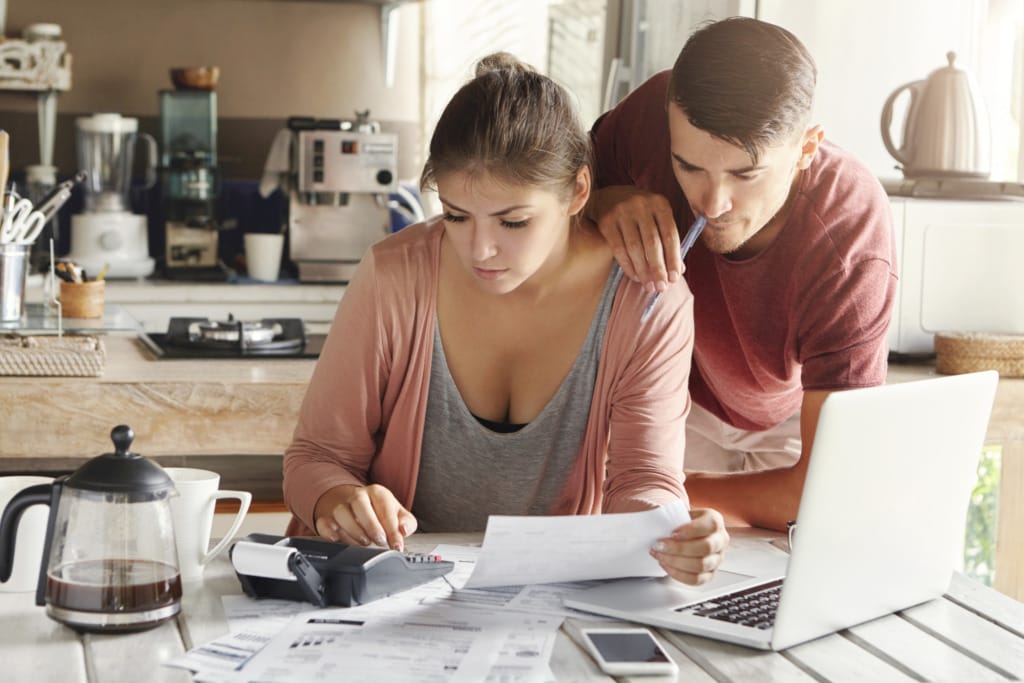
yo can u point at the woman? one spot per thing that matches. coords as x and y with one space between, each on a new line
491 360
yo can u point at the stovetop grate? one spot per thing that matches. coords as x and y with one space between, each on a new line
180 343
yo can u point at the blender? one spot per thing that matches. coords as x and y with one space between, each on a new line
108 233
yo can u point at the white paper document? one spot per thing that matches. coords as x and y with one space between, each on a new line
422 644
556 549
544 598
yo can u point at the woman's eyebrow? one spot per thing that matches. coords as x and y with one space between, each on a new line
496 213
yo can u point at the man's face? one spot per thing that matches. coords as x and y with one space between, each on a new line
720 181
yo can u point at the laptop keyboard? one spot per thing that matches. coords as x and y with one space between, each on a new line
754 607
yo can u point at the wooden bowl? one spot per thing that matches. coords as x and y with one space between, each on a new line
195 77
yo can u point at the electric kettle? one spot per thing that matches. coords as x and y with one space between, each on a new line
109 558
946 129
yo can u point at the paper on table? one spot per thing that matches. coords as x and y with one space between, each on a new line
530 549
424 644
543 598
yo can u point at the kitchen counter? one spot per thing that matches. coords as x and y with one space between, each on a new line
180 407
154 302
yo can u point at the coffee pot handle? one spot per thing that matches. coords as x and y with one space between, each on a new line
914 88
33 495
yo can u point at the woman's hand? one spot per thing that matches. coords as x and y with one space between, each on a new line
693 552
361 515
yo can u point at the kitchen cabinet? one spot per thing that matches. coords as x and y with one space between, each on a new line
177 408
180 407
959 269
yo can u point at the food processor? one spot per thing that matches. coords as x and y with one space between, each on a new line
108 233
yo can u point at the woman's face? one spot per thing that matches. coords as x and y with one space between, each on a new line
505 234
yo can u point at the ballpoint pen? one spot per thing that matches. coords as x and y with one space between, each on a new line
688 241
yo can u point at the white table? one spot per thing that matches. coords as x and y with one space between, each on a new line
973 634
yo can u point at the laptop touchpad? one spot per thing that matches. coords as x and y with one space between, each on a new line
644 594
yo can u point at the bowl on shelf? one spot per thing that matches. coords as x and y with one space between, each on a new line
195 77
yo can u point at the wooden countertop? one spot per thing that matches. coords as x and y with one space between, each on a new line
176 407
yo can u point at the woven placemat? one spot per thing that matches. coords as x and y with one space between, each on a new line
960 352
50 356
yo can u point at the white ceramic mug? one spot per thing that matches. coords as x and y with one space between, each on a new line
30 535
263 255
192 511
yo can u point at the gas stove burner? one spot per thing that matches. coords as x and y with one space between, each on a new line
248 337
234 332
205 338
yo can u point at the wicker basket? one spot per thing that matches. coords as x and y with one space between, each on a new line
50 356
959 352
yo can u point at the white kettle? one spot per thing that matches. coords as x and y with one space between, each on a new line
946 129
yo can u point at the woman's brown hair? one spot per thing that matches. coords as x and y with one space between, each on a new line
513 123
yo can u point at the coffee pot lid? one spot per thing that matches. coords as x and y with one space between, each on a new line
121 471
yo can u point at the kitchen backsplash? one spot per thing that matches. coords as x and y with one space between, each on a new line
242 146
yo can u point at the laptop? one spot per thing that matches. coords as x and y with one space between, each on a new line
880 524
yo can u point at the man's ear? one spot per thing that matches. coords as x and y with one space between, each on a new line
809 143
580 192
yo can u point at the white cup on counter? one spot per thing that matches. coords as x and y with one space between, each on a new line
263 255
31 533
192 511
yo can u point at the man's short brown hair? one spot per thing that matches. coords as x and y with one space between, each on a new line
745 81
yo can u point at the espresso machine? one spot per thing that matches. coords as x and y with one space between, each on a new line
107 233
188 128
338 202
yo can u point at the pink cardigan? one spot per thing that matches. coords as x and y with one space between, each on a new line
362 418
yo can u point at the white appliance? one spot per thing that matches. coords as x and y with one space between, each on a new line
946 128
107 233
959 269
338 207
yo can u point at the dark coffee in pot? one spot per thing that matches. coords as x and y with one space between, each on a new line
113 594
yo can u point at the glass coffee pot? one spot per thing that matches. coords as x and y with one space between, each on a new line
109 559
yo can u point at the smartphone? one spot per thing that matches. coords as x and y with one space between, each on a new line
625 651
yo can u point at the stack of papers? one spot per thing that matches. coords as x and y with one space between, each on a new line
493 618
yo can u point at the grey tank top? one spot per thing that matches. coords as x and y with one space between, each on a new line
468 472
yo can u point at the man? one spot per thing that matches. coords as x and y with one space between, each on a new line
794 275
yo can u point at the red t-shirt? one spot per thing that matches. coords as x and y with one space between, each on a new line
810 312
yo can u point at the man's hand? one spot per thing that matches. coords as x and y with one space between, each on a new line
360 515
641 232
693 552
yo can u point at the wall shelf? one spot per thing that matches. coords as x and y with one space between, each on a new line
42 67
39 66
